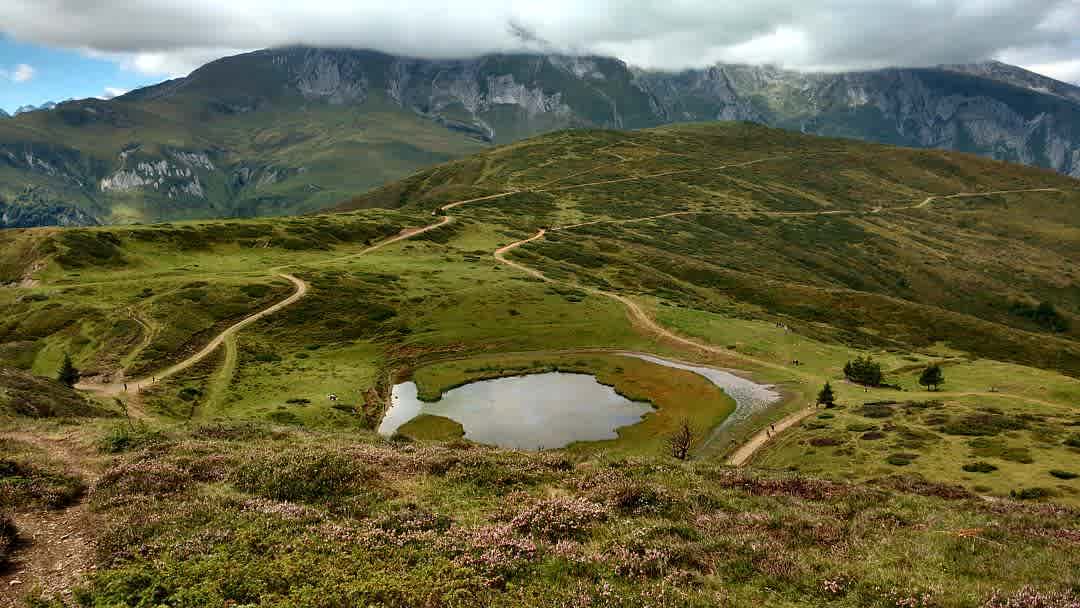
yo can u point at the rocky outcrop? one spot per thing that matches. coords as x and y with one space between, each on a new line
35 207
991 109
175 175
1002 111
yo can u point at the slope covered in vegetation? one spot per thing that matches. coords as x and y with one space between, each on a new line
733 247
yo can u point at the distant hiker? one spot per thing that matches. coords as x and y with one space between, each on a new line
125 387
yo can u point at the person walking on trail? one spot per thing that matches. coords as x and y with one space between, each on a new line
125 387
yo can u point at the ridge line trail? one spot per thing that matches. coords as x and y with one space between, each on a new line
55 550
930 199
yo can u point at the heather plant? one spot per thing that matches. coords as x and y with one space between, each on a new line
27 482
248 522
127 436
559 518
1030 597
309 474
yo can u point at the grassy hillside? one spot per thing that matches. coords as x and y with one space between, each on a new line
731 246
244 515
290 158
815 231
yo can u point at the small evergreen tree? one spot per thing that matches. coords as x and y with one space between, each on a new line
68 374
865 371
826 396
932 377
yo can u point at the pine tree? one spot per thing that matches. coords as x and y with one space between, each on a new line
865 371
68 374
826 396
932 377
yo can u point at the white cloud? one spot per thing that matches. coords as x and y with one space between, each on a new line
171 37
21 73
111 92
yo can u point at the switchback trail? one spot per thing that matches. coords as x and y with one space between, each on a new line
637 315
135 385
641 319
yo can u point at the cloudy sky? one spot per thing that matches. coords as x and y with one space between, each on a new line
55 49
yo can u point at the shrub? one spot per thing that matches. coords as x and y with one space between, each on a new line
979 467
129 479
821 442
68 374
1029 597
873 410
284 417
932 377
1044 315
232 431
826 397
995 448
1032 493
865 371
636 498
680 441
24 483
304 475
983 423
1064 474
1073 441
126 436
559 518
901 459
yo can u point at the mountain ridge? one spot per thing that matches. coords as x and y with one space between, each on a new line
296 129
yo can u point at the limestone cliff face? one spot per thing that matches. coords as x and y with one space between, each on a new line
1009 114
549 90
257 166
990 108
175 173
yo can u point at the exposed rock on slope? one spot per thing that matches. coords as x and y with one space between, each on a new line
296 129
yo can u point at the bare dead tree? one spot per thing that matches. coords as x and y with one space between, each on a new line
681 440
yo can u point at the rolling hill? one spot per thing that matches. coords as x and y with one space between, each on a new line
292 130
768 255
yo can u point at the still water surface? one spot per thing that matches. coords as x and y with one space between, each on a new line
540 411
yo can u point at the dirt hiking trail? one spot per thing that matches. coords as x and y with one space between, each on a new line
55 548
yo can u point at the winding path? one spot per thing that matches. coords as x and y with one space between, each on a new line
745 452
135 385
636 313
930 199
56 549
